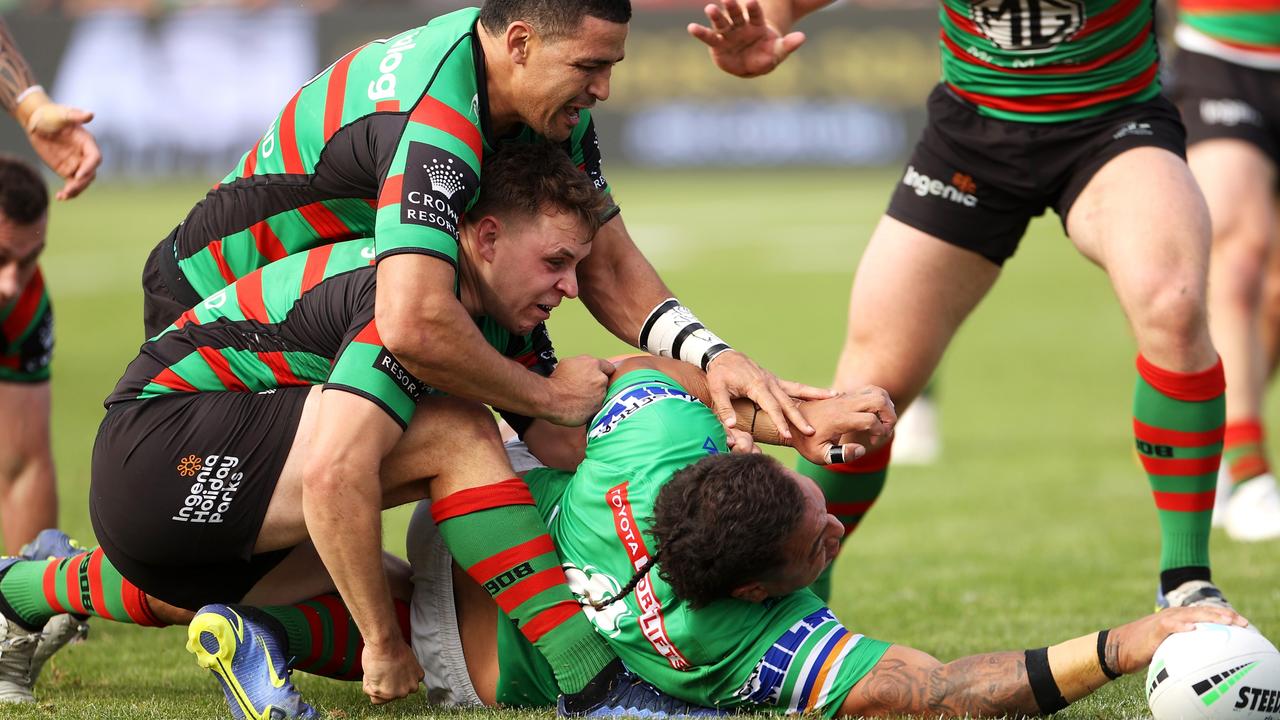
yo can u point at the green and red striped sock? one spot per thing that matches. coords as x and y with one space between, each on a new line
1178 424
87 583
323 638
851 489
1244 450
496 534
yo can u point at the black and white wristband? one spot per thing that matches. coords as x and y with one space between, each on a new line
672 330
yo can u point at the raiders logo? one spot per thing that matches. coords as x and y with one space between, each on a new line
1028 25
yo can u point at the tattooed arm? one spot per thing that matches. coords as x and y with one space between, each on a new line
909 682
56 131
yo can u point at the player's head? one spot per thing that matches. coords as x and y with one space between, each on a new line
742 526
561 56
24 204
524 237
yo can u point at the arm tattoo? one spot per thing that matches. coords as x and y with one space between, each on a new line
15 74
981 685
1112 653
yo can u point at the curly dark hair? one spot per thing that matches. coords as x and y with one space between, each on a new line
553 18
530 178
23 196
723 522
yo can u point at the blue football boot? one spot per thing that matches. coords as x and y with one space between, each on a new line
248 661
618 692
61 629
50 543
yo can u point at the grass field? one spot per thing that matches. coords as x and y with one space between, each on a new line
1036 526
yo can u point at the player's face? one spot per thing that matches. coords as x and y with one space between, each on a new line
813 544
534 267
20 246
563 76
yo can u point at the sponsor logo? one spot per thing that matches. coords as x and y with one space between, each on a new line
1133 128
438 186
630 402
276 680
385 86
1258 699
475 107
962 190
1212 689
189 466
1161 675
387 363
505 579
764 687
1229 112
598 587
1028 25
214 489
710 447
651 621
1162 451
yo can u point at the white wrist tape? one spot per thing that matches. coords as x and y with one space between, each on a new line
673 331
25 93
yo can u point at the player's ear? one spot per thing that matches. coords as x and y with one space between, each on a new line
753 592
519 34
488 232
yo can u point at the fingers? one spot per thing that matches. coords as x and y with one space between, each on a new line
789 44
705 34
800 391
607 367
76 115
722 404
848 452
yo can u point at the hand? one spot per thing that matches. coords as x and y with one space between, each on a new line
741 42
732 374
740 442
1130 647
391 672
57 134
857 423
578 387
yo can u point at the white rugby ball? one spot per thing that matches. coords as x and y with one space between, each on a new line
1215 672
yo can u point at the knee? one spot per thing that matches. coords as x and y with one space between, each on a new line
1239 269
1171 312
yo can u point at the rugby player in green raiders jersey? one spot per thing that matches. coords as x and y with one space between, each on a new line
1041 104
249 448
388 141
1226 80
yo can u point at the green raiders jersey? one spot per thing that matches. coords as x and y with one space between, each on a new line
789 654
386 143
1049 60
26 334
307 319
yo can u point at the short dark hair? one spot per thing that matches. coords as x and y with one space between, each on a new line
551 18
722 522
530 178
23 197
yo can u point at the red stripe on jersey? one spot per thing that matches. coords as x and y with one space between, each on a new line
549 619
962 22
528 359
1268 49
96 595
49 584
251 161
431 111
173 381
387 106
1060 102
249 295
369 334
511 599
24 309
339 613
1110 57
392 189
264 238
75 603
1182 467
507 559
289 138
850 508
186 317
1177 438
215 252
313 273
1227 6
221 367
336 93
280 369
326 224
1184 502
487 497
1105 19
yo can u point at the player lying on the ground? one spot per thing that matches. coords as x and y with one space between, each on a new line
248 450
719 613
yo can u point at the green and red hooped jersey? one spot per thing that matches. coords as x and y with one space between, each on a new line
1049 60
304 320
1246 32
386 143
26 334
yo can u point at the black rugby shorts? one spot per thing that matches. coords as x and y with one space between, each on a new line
1220 99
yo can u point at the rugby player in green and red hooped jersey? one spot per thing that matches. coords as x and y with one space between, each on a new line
1043 103
1226 78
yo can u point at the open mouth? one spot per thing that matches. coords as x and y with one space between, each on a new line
574 115
546 308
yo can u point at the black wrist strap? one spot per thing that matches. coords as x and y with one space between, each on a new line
1102 656
1048 697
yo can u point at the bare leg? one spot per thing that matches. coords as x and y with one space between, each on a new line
28 493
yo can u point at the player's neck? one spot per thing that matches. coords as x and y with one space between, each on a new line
468 278
498 71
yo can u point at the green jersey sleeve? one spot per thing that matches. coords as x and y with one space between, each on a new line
26 335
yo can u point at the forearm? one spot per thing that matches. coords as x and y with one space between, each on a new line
15 77
618 284
784 14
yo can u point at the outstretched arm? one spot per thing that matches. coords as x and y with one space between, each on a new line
1033 682
752 37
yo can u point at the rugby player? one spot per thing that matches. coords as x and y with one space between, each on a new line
249 448
1036 109
1226 83
56 132
387 143
718 612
